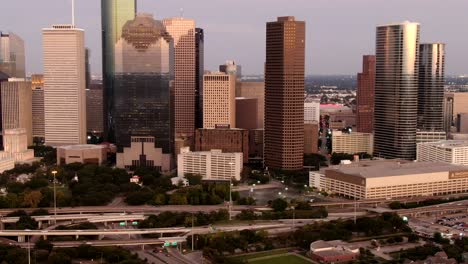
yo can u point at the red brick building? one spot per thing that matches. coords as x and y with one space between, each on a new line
365 95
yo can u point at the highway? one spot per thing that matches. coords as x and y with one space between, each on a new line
106 243
93 218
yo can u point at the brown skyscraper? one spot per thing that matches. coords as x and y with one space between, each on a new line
284 94
365 95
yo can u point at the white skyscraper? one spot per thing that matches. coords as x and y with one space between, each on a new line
64 85
311 111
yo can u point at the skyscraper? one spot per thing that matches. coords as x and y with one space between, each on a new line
284 94
396 90
12 60
114 15
431 87
94 108
182 31
142 77
64 85
16 97
38 126
231 67
219 100
200 70
365 95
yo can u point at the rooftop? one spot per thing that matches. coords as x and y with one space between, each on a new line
82 147
448 144
387 168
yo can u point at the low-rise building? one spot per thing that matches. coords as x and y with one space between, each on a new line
381 179
450 151
211 165
430 136
353 142
438 258
143 153
86 154
7 162
333 251
15 142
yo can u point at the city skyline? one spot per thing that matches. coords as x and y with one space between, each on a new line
345 27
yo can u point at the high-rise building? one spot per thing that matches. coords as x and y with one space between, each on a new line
230 67
94 108
219 100
431 87
365 95
311 136
16 97
311 111
352 143
64 85
254 90
142 79
38 126
396 90
454 104
200 70
114 15
15 142
246 113
12 59
284 94
182 31
227 140
87 68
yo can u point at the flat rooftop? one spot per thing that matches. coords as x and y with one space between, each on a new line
387 168
82 147
448 144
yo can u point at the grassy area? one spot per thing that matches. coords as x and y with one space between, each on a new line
289 259
261 254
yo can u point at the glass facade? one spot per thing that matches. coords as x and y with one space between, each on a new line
12 59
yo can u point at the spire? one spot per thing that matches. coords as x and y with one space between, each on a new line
73 12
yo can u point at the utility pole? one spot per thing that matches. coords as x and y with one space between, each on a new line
192 231
54 172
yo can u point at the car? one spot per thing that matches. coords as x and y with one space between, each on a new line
168 255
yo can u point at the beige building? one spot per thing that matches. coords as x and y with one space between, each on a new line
450 151
38 126
64 85
182 31
454 104
15 142
381 179
143 153
17 106
219 100
211 165
254 90
351 143
6 161
86 154
430 136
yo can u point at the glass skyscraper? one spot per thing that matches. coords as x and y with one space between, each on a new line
12 59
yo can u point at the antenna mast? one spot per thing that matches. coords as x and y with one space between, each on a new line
73 12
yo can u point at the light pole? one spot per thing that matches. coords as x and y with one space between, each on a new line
230 191
192 231
54 172
29 247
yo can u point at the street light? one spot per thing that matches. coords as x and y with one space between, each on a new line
54 172
230 191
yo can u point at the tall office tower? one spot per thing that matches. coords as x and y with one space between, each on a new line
312 111
64 85
142 78
114 15
254 90
219 100
16 97
365 95
182 31
12 61
396 90
230 67
94 108
87 68
431 87
284 94
38 126
200 70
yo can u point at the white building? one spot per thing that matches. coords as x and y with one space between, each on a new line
143 153
351 143
15 142
219 100
211 165
450 151
64 85
430 136
312 111
7 162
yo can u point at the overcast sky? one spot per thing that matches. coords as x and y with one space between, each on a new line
339 32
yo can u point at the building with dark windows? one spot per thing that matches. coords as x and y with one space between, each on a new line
114 15
365 95
38 125
284 94
141 88
200 70
431 87
225 139
396 90
94 108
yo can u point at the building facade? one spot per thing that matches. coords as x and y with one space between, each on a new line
15 142
312 111
143 153
311 136
212 165
254 90
352 143
219 100
449 151
396 90
16 102
365 96
226 140
86 154
94 108
284 94
64 85
246 113
38 125
454 104
423 136
12 58
200 71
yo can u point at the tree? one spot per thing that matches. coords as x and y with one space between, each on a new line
44 244
178 199
26 222
336 158
159 199
279 205
32 199
194 179
59 258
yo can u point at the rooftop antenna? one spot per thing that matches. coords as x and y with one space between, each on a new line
181 12
73 12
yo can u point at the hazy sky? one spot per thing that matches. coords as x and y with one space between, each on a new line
339 32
